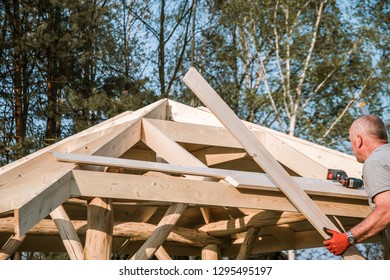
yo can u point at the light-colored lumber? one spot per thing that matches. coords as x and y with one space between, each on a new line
23 165
199 134
240 179
24 185
206 214
219 155
220 136
324 156
162 254
29 177
68 233
163 229
11 246
98 239
294 159
247 246
211 252
171 152
146 188
265 160
54 192
115 143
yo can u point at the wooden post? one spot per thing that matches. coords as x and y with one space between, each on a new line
68 233
247 245
262 157
98 240
211 252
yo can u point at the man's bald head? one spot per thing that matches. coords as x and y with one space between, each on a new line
371 126
366 134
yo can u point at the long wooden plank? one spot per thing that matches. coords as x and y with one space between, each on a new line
265 160
240 179
146 188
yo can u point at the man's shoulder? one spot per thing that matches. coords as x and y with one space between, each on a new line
382 152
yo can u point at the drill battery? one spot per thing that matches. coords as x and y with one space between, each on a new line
336 174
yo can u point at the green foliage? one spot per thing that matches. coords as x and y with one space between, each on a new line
296 66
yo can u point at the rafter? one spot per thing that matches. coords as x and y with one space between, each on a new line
279 176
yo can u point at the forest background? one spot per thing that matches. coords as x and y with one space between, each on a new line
299 67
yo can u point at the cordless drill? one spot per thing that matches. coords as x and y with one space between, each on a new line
342 177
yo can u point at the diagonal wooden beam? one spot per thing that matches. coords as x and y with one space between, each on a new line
247 246
163 229
162 254
262 157
68 233
11 246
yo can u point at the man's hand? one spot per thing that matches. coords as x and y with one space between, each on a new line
338 243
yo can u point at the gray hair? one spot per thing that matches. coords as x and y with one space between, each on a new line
371 126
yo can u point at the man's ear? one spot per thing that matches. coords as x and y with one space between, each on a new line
359 141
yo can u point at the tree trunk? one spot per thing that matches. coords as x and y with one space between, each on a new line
17 73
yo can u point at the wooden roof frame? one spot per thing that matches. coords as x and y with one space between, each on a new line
168 180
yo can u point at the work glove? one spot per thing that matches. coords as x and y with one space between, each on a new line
338 242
